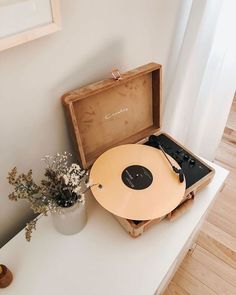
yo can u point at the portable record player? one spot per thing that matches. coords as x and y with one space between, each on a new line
140 174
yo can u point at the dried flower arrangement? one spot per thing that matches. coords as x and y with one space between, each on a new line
65 184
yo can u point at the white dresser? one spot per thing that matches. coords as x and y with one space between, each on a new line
103 259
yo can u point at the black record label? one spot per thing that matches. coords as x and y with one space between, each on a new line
137 177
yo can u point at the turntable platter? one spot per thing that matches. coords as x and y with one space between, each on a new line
135 181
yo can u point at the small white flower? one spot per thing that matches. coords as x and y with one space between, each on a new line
66 179
81 173
83 201
89 183
75 166
77 189
74 179
81 198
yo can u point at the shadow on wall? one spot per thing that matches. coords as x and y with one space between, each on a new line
94 68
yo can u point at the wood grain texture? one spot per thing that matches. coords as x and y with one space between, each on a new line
190 283
210 266
206 276
112 112
215 264
219 243
174 289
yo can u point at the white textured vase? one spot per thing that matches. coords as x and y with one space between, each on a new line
70 220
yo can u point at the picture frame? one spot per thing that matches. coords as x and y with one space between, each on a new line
13 33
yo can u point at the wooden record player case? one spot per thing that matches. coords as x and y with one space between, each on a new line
120 110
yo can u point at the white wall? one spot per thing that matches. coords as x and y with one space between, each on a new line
96 36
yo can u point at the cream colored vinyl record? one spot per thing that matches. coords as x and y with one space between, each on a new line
136 182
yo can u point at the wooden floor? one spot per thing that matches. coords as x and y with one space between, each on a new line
210 268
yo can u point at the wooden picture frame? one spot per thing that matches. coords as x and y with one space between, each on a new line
33 33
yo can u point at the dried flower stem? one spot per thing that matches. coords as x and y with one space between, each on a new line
62 187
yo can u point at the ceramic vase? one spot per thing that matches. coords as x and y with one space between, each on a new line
70 220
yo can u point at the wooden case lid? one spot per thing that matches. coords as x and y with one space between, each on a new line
113 112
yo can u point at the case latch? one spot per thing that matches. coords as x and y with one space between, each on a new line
116 74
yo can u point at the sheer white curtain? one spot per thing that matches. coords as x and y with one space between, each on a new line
202 74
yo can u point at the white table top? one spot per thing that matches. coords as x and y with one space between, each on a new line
103 258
